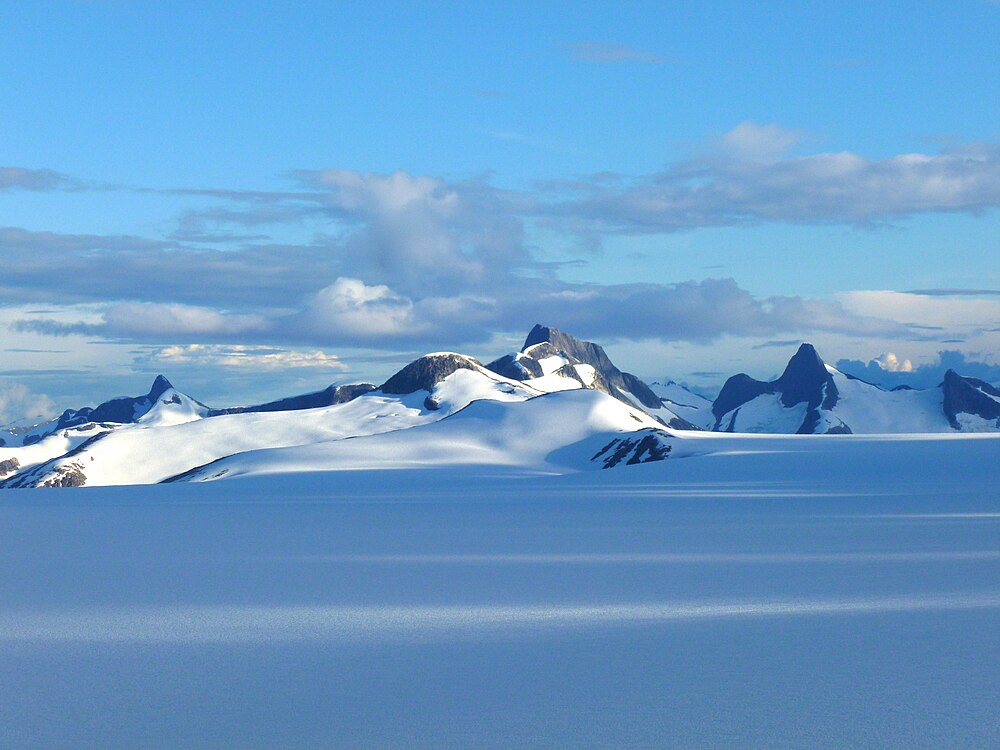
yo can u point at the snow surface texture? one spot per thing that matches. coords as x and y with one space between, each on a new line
794 591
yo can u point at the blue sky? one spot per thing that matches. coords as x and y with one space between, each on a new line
315 192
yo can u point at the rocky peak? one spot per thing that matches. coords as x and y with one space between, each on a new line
965 395
804 378
545 341
160 386
425 373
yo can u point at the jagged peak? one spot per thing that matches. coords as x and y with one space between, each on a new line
160 386
539 334
805 360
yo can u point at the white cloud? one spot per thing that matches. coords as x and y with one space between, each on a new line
17 401
959 311
349 306
749 177
891 363
241 356
182 320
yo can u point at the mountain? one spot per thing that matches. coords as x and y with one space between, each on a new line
812 397
552 360
558 405
684 403
427 390
551 433
334 394
804 390
163 400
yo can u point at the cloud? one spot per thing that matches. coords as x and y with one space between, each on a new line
891 363
352 312
749 177
58 268
782 344
926 375
401 259
956 292
150 320
923 312
17 401
19 178
243 357
608 53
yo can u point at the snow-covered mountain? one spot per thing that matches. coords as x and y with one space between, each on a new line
812 397
164 443
162 402
558 405
552 360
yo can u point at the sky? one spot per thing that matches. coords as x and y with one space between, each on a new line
261 199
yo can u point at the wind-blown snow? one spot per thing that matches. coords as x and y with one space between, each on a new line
794 591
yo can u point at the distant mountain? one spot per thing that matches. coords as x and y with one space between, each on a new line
552 360
121 410
812 397
334 394
559 404
969 403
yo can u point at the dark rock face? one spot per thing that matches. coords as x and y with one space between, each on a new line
645 446
338 394
9 466
545 341
805 380
736 391
66 476
509 366
963 395
120 410
425 373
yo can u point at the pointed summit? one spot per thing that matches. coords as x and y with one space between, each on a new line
160 386
804 379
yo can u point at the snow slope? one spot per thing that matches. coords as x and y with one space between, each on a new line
687 405
537 436
171 438
869 409
795 591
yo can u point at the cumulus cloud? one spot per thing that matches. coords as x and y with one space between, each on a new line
442 262
423 235
17 401
350 306
891 363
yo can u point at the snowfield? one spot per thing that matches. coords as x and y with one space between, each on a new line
789 591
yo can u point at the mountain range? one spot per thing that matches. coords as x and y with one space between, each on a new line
558 404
